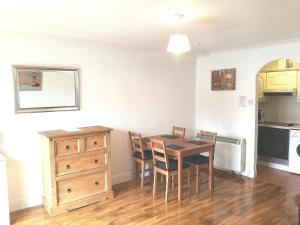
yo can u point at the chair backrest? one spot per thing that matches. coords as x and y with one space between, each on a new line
179 131
208 137
158 147
136 142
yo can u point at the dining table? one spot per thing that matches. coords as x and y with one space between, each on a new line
178 147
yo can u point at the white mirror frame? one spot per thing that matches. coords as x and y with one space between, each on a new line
74 107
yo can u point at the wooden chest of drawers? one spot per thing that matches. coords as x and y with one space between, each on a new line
76 168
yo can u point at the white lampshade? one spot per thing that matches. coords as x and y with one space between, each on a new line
179 43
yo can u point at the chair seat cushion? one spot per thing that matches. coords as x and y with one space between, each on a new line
147 154
173 165
196 159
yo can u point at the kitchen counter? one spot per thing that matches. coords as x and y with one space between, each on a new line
279 126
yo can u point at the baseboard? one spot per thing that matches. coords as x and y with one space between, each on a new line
19 204
274 165
121 178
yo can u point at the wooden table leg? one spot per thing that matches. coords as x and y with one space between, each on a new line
211 171
179 178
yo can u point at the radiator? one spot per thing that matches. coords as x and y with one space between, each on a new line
230 153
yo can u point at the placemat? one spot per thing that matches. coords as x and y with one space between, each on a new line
175 147
169 136
194 142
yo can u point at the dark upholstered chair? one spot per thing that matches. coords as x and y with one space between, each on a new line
198 160
165 165
179 132
141 156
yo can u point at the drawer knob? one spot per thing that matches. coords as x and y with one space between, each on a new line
69 190
96 183
95 143
67 147
68 167
96 160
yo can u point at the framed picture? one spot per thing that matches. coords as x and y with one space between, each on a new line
46 89
223 79
30 81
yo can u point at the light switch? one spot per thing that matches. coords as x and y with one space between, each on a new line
250 102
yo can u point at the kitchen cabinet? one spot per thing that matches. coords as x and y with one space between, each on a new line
273 142
282 80
298 85
261 85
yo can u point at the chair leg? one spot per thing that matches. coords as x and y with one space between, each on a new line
173 182
134 171
197 179
189 180
154 181
137 171
167 187
143 174
150 169
161 178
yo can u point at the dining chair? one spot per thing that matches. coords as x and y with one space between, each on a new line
201 161
141 156
165 165
179 131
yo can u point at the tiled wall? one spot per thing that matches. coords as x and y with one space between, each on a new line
281 109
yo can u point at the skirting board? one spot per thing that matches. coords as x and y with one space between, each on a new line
15 205
273 165
120 178
19 204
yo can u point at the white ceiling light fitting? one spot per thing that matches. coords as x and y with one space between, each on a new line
178 43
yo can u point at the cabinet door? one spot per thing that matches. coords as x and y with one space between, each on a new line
298 85
261 85
282 80
273 142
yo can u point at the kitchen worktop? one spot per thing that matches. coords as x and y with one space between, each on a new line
280 125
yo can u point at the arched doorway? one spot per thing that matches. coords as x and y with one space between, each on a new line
278 98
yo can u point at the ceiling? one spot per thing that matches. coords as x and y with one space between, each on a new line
211 24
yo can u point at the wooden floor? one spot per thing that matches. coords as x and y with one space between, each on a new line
236 200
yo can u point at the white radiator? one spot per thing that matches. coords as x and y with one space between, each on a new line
230 153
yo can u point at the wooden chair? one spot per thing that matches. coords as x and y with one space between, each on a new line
200 161
179 131
165 165
141 156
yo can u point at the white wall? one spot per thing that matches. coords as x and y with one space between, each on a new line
218 110
125 89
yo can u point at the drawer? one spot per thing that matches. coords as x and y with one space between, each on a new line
80 164
95 142
67 146
80 187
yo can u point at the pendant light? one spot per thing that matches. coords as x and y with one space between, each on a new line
178 43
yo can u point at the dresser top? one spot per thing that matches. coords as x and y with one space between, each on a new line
79 131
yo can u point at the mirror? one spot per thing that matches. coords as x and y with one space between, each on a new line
44 89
